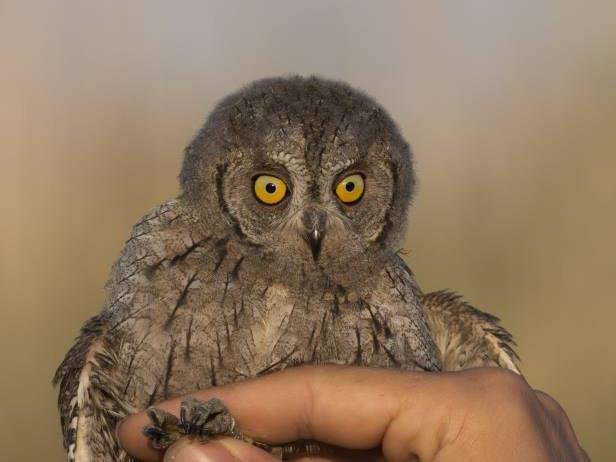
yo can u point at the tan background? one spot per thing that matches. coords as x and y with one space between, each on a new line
510 108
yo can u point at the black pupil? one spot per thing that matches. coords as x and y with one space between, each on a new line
350 186
270 188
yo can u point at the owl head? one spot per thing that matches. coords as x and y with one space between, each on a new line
311 176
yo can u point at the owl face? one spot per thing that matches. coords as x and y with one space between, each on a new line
310 172
321 216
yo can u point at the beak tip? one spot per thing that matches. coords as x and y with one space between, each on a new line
313 231
315 238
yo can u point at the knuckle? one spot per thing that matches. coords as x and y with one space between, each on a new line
506 382
551 404
503 388
516 399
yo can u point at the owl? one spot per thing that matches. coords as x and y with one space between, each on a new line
280 250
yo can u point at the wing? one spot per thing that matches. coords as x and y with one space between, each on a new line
88 401
467 337
68 378
399 324
91 398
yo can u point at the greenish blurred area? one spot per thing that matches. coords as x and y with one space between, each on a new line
510 108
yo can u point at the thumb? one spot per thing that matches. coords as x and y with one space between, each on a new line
217 450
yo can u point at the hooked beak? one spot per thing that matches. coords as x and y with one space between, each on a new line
314 230
315 242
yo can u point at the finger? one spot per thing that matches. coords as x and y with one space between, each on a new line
561 424
357 456
337 454
342 406
218 450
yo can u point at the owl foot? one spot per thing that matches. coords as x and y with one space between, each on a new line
199 419
164 430
206 418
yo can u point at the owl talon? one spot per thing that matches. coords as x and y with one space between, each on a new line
164 431
199 419
204 419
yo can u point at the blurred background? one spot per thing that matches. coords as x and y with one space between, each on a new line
510 108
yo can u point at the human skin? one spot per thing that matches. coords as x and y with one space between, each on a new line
477 414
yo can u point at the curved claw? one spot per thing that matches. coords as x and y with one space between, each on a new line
202 419
164 431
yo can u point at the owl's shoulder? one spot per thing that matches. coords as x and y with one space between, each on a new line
164 232
167 249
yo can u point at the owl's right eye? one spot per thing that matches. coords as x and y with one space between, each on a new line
269 189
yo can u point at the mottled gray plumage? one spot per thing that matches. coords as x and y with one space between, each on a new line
216 286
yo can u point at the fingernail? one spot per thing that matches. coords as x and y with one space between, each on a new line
117 430
186 450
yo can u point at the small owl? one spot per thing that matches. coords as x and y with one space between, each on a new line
281 250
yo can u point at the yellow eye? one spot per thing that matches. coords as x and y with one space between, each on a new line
350 189
269 189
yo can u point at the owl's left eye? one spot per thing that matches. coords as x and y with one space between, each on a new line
351 188
270 189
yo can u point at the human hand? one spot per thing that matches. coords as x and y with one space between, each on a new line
401 416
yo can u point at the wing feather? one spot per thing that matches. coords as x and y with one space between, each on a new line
67 377
467 337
